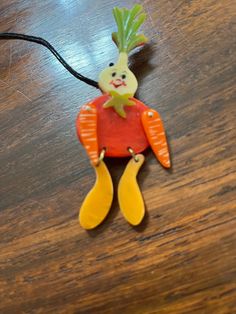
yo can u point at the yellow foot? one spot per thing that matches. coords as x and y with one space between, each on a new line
129 195
98 201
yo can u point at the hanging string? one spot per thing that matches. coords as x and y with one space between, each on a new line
46 44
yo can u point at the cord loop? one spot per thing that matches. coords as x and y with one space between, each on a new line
46 44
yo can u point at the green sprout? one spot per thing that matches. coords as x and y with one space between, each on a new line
128 23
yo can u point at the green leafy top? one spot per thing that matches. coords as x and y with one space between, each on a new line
128 23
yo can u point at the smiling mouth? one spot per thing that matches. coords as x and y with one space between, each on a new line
117 83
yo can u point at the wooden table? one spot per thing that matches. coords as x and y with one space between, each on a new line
182 259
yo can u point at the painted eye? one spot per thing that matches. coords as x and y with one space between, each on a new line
113 74
111 64
123 76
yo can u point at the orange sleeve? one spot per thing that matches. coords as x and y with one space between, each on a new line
155 133
87 130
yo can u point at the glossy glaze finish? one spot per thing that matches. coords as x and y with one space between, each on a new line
182 258
115 133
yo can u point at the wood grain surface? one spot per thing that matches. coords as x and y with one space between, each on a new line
182 259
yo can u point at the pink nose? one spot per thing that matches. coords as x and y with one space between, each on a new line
118 81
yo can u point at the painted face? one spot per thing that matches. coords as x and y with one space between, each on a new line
118 78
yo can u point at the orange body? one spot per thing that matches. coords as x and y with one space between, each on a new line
99 128
116 133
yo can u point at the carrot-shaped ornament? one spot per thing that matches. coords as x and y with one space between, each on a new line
115 124
118 125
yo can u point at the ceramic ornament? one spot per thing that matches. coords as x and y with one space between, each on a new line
116 124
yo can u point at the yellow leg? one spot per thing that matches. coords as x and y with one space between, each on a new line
129 195
98 201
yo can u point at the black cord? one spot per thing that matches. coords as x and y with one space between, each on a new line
46 44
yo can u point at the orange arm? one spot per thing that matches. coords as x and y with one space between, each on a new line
155 133
87 131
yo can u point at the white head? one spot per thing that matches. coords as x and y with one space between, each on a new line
118 77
